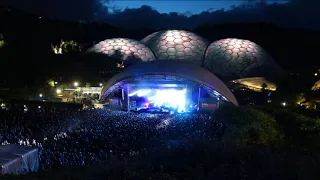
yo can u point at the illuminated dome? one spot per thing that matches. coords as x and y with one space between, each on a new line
316 86
177 45
124 49
236 58
256 83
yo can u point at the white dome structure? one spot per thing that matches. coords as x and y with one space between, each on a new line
316 86
124 49
236 58
177 45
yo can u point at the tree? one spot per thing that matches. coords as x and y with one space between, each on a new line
300 98
66 47
50 82
264 87
2 42
248 125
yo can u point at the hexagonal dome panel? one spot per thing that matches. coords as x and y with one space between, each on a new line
236 58
124 49
177 45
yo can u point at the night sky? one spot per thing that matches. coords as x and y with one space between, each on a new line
155 13
164 6
167 6
183 6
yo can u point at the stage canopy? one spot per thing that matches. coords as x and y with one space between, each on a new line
16 159
169 70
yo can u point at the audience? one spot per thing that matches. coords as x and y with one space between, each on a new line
72 137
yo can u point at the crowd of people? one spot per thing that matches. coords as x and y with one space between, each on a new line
73 137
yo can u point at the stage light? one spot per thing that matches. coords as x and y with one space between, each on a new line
151 98
101 84
40 95
134 93
170 98
76 84
173 99
284 104
58 91
143 92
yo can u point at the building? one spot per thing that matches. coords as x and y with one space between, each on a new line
177 45
316 86
232 60
123 49
256 84
236 59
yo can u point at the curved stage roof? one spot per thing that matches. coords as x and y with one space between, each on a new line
178 69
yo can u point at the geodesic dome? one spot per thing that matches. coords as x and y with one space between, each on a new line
177 45
316 86
124 49
236 58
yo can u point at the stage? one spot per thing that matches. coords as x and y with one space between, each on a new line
162 96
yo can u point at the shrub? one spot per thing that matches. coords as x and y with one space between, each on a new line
299 130
249 126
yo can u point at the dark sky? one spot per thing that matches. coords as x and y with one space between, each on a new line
133 14
182 6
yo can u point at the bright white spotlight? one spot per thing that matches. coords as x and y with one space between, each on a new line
58 91
40 95
143 92
134 93
76 84
170 98
284 104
